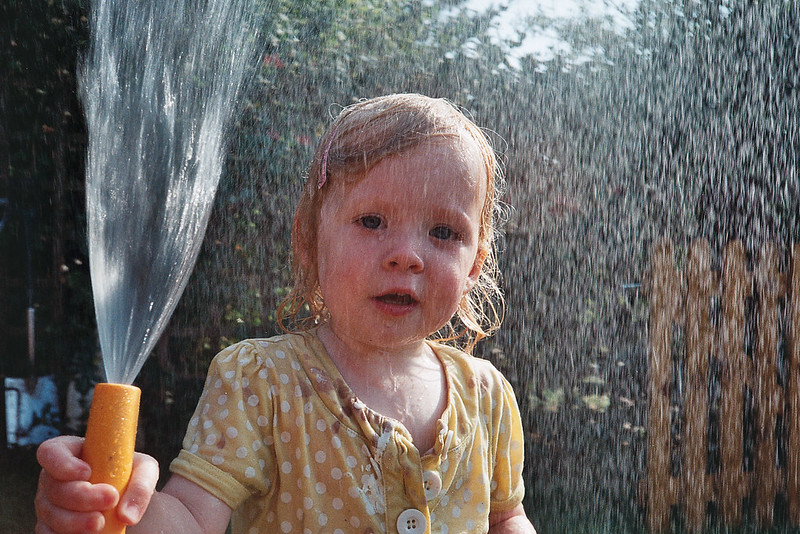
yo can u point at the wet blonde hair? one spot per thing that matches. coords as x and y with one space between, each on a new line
361 136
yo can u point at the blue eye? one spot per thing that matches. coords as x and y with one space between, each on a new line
371 222
443 232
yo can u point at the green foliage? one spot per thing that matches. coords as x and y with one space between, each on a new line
551 400
685 125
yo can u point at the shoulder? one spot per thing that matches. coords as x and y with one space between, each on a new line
252 372
279 347
470 373
260 356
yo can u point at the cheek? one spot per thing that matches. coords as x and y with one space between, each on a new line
334 258
329 251
453 284
325 259
464 281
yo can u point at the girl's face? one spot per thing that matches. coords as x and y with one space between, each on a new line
398 250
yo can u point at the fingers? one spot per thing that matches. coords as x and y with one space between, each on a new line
78 495
60 457
71 507
56 520
140 489
65 501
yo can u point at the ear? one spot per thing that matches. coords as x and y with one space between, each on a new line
475 272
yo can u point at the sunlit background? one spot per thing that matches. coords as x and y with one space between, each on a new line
619 124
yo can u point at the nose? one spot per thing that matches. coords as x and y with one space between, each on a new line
404 253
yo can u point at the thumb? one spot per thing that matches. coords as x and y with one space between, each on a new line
141 487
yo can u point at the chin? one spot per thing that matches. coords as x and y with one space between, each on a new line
396 340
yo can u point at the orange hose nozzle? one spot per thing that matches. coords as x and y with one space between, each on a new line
111 439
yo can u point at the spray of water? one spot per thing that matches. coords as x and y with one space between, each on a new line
159 87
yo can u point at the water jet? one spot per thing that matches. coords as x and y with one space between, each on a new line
159 86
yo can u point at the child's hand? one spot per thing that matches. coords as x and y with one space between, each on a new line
66 502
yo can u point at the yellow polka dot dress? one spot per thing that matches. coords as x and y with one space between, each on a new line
280 437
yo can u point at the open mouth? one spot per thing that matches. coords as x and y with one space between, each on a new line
398 299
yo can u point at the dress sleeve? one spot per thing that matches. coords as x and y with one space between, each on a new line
507 486
228 447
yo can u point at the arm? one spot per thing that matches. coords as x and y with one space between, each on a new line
512 522
184 507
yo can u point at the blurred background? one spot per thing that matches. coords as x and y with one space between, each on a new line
618 123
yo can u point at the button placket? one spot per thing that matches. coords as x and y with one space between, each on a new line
402 471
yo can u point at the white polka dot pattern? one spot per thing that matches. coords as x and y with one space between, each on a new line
277 436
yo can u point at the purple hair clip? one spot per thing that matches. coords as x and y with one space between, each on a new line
323 171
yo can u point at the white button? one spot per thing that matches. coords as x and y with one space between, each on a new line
432 483
411 521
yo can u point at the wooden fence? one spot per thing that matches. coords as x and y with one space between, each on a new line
724 413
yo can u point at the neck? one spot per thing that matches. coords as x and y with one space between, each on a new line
405 383
346 352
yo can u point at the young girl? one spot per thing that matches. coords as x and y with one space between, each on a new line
357 421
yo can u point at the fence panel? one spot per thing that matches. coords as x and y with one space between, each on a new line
737 288
694 413
793 392
769 396
664 303
733 364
